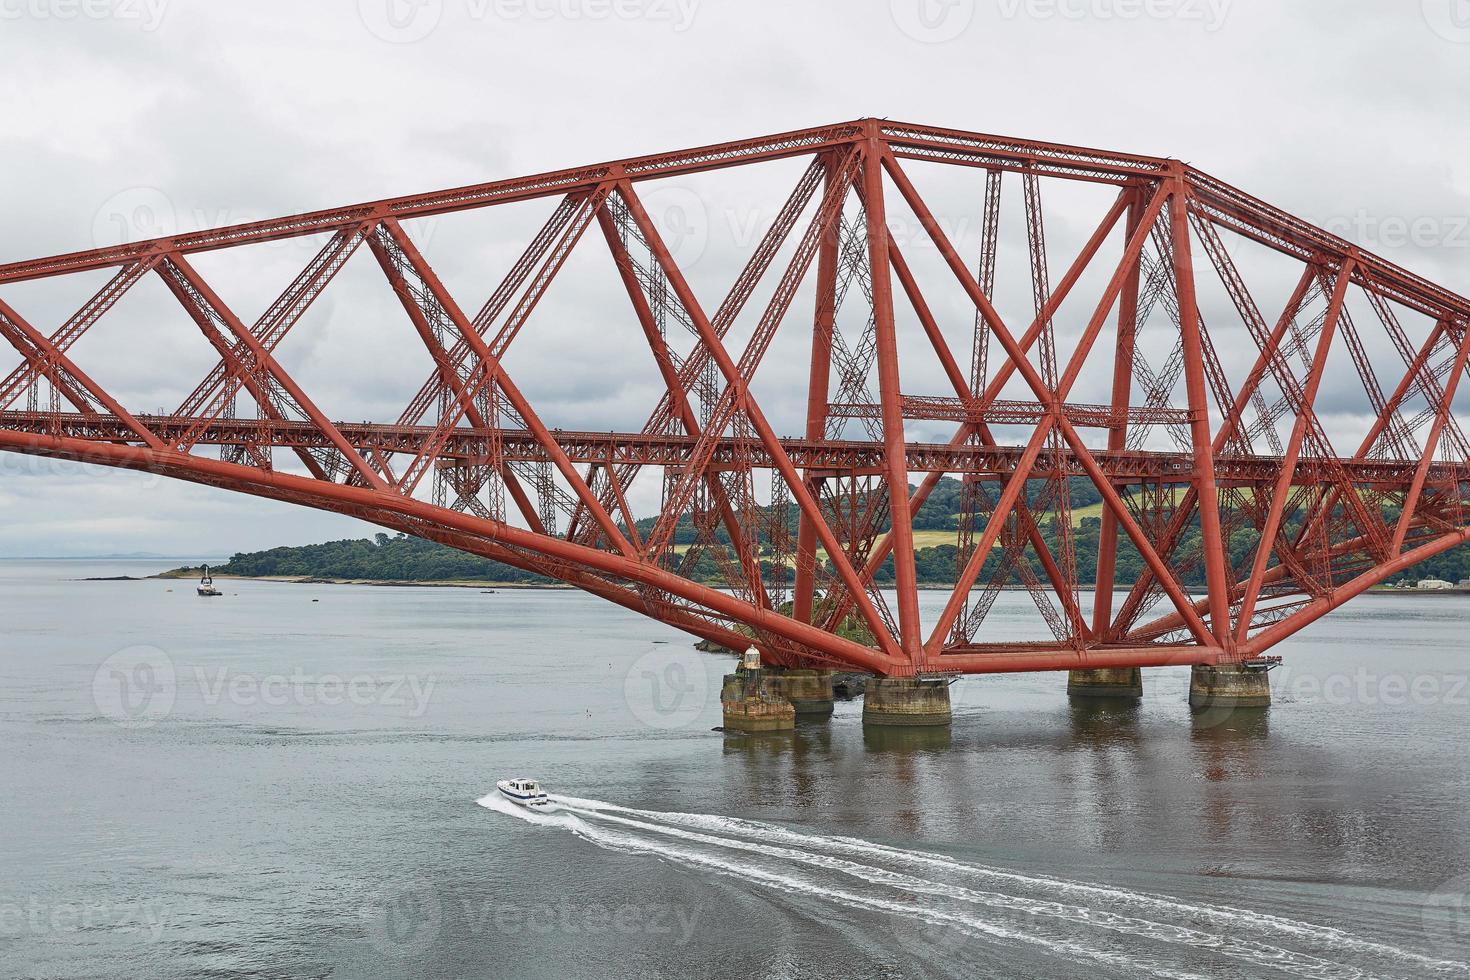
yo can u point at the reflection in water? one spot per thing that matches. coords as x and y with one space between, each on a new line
798 761
1102 829
1209 789
905 740
1232 723
1103 719
1233 752
908 757
759 745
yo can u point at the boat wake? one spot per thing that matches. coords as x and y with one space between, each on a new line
941 908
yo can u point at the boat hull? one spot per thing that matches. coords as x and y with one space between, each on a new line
530 800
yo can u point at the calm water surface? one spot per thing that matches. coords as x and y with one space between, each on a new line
264 785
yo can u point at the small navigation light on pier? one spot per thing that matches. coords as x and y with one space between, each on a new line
751 660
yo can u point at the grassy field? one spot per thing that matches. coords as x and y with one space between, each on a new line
934 538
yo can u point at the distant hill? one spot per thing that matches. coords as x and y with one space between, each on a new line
401 558
383 558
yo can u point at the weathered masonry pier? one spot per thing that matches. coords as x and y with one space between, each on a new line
1106 682
758 698
907 701
1230 686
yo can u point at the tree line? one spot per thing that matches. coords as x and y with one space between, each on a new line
387 557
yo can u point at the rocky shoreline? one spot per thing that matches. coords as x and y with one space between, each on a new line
188 574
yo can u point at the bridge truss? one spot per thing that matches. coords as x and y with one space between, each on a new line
1231 498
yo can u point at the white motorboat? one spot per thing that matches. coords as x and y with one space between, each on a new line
525 792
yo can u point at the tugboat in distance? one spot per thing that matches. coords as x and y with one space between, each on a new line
206 584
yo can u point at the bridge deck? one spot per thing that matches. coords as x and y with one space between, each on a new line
822 457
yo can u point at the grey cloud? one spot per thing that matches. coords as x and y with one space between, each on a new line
1343 113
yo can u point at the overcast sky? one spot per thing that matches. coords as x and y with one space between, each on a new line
128 118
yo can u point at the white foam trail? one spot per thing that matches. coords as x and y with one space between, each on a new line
1131 965
1237 920
791 849
1259 953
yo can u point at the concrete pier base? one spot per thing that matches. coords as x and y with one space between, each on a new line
1229 686
906 701
809 691
750 702
758 715
1106 682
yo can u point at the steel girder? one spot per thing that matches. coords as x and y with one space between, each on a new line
1245 544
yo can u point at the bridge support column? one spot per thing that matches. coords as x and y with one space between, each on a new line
750 702
1229 686
809 691
1106 682
907 701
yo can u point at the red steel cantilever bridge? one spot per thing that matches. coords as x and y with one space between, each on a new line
1253 474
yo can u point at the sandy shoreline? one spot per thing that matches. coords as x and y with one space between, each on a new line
397 583
560 586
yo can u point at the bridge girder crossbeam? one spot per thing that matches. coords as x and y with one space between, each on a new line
827 458
1298 521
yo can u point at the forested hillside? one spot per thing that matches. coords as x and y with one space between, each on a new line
400 558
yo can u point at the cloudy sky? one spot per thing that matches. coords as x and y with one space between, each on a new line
131 118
